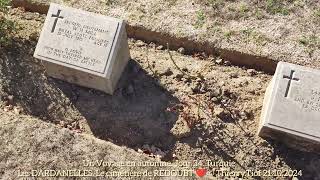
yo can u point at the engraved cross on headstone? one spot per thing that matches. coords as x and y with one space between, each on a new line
57 16
289 82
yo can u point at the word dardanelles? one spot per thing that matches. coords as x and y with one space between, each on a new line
63 173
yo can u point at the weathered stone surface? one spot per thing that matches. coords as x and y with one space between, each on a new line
80 47
291 110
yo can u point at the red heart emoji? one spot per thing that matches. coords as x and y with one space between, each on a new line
201 172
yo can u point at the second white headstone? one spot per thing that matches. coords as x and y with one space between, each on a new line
291 108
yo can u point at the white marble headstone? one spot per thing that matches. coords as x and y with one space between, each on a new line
84 48
291 109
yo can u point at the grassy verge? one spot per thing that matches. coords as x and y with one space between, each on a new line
7 26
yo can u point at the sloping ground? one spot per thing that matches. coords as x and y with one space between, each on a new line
252 33
30 146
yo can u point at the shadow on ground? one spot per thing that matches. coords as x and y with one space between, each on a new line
307 162
217 144
135 115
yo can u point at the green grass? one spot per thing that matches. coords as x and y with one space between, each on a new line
243 8
4 4
311 43
172 2
7 27
255 36
276 7
215 3
216 30
200 19
317 13
311 40
258 14
109 2
229 33
299 3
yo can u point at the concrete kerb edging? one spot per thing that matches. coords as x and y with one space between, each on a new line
141 33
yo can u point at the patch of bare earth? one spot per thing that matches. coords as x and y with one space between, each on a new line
32 148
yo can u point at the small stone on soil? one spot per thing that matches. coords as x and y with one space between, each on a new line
152 151
63 124
17 110
219 61
160 47
29 17
181 50
243 115
181 129
234 75
251 72
218 111
140 43
215 100
8 108
10 99
139 151
215 92
227 63
152 45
